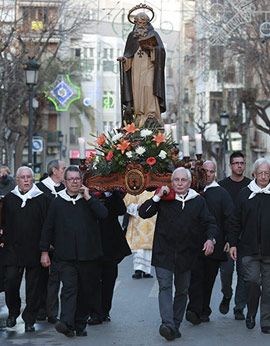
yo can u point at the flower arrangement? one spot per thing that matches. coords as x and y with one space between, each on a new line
149 147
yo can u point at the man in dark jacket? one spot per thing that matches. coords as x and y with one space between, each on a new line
49 280
251 220
24 212
72 229
204 273
115 248
183 223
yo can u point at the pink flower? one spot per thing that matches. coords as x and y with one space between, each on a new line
109 156
151 161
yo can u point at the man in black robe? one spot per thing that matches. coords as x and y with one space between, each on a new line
24 212
143 91
72 229
204 273
49 280
183 224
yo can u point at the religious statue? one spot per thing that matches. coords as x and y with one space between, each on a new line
142 70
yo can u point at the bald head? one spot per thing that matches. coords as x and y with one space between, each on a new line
210 170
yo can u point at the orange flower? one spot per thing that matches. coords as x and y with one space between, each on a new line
101 140
109 156
125 145
159 138
131 128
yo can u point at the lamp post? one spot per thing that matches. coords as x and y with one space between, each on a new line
224 122
31 68
60 139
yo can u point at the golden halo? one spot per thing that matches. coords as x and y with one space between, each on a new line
140 7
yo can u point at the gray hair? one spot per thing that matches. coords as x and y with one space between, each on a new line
52 164
258 163
209 161
24 167
182 169
72 168
142 15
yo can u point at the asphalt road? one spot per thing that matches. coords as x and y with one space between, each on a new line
135 322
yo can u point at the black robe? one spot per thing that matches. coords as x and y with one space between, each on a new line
114 243
73 229
47 191
131 48
22 229
179 233
220 205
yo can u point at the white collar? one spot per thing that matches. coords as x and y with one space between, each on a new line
256 189
190 195
50 184
32 193
213 184
63 194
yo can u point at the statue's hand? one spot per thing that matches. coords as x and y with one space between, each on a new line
122 59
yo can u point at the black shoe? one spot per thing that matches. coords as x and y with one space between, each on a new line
93 321
166 332
266 330
106 318
41 316
205 318
250 322
147 276
177 334
238 315
29 327
137 275
224 306
192 317
81 332
64 329
11 321
52 319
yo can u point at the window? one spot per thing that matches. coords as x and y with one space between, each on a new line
216 57
74 133
216 105
108 62
77 52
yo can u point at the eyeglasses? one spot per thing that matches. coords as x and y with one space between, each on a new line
238 163
74 180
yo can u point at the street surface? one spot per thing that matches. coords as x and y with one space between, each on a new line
135 322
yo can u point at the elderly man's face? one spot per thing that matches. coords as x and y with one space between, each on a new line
141 22
210 170
262 175
180 182
73 183
25 180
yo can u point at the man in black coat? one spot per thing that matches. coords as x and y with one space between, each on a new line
24 212
115 249
183 224
234 184
204 273
250 221
72 229
49 280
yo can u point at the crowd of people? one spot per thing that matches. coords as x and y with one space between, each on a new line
58 232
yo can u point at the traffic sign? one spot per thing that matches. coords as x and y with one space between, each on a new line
37 145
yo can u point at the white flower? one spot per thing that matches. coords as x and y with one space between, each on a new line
140 150
116 137
129 154
162 154
146 132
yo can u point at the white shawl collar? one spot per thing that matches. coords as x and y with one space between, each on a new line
63 194
256 189
50 184
32 193
190 195
213 184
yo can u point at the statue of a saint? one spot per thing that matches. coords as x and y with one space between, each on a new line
143 84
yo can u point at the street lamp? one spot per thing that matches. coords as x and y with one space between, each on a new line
31 68
224 122
60 139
